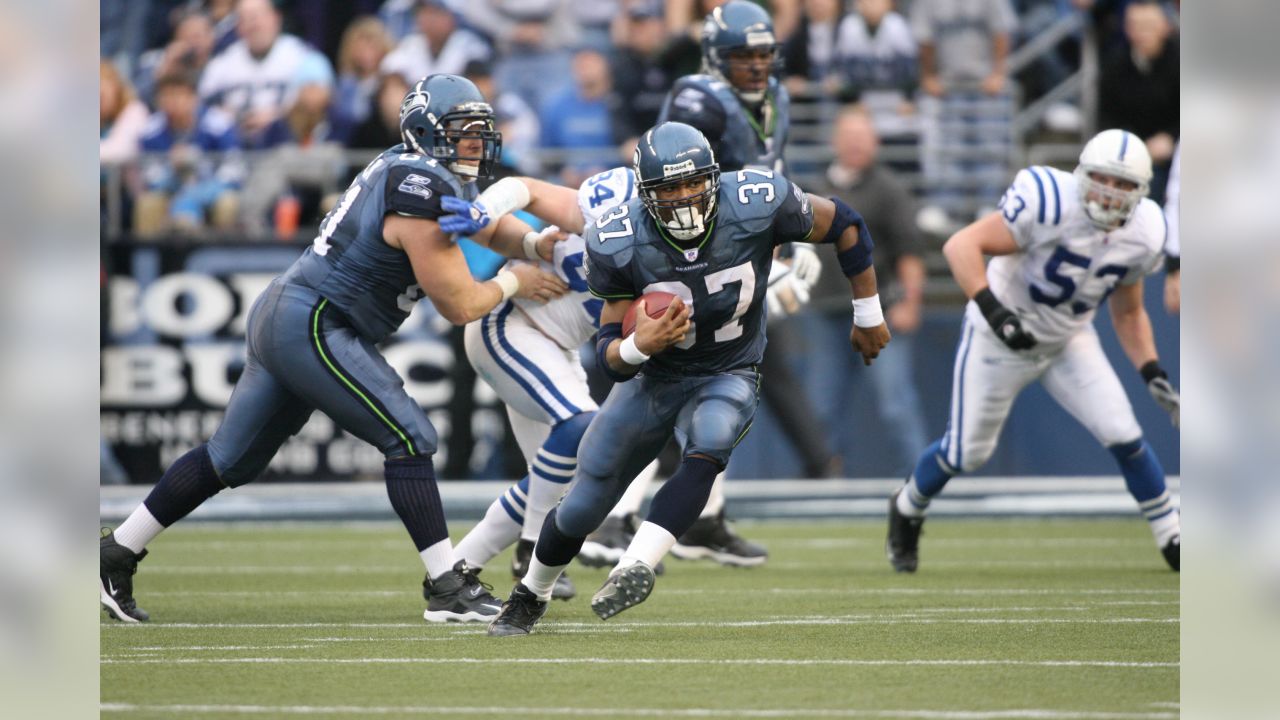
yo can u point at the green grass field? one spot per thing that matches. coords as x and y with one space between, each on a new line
1006 619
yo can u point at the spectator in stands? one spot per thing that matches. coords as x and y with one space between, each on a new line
186 54
364 44
122 117
381 129
1138 91
533 39
640 84
809 56
966 110
223 15
596 20
302 157
576 121
438 46
683 55
256 77
878 62
889 210
519 124
192 168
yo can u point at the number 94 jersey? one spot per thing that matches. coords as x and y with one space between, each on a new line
722 279
571 320
1067 266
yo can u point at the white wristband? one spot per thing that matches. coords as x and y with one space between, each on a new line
506 195
530 242
867 312
508 283
631 354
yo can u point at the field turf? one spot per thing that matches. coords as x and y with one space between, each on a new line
1006 619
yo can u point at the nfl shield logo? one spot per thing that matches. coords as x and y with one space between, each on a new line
691 255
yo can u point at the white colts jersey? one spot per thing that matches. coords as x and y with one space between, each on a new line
573 318
1067 266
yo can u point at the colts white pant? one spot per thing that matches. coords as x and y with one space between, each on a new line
540 382
988 376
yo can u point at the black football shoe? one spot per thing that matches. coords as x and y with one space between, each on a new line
116 566
712 538
624 588
902 545
564 588
459 596
1171 552
519 613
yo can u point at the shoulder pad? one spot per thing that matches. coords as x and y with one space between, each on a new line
605 191
616 232
1148 225
751 194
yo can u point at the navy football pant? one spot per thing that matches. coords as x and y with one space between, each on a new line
304 356
708 414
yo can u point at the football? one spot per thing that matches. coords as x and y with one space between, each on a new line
655 304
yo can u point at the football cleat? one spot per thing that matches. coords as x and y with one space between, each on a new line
116 567
902 545
1171 552
459 596
623 588
604 547
519 613
563 590
713 539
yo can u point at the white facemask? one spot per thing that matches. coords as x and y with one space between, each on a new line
687 224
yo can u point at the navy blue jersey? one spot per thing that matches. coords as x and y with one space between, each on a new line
722 280
737 137
349 263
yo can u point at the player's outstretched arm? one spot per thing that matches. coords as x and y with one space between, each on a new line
1133 330
555 204
442 272
835 222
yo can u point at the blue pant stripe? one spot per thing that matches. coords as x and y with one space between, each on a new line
532 368
485 326
518 517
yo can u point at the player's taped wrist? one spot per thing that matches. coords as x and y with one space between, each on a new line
530 243
505 196
630 353
1151 370
508 283
988 303
867 312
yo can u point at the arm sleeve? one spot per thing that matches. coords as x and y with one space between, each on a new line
416 192
793 221
604 278
1030 202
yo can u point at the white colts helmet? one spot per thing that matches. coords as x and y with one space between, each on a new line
1119 154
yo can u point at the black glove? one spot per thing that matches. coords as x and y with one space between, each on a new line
1007 325
1162 391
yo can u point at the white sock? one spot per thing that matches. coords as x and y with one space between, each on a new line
649 546
493 534
138 530
541 578
547 484
910 502
715 501
631 500
1163 518
438 558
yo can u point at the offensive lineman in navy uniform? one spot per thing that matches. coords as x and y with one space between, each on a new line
710 242
312 335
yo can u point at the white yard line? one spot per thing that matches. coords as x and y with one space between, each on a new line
762 662
1030 713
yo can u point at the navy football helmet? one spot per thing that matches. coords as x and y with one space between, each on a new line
439 112
674 154
736 27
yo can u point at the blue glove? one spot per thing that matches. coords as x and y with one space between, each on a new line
467 219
